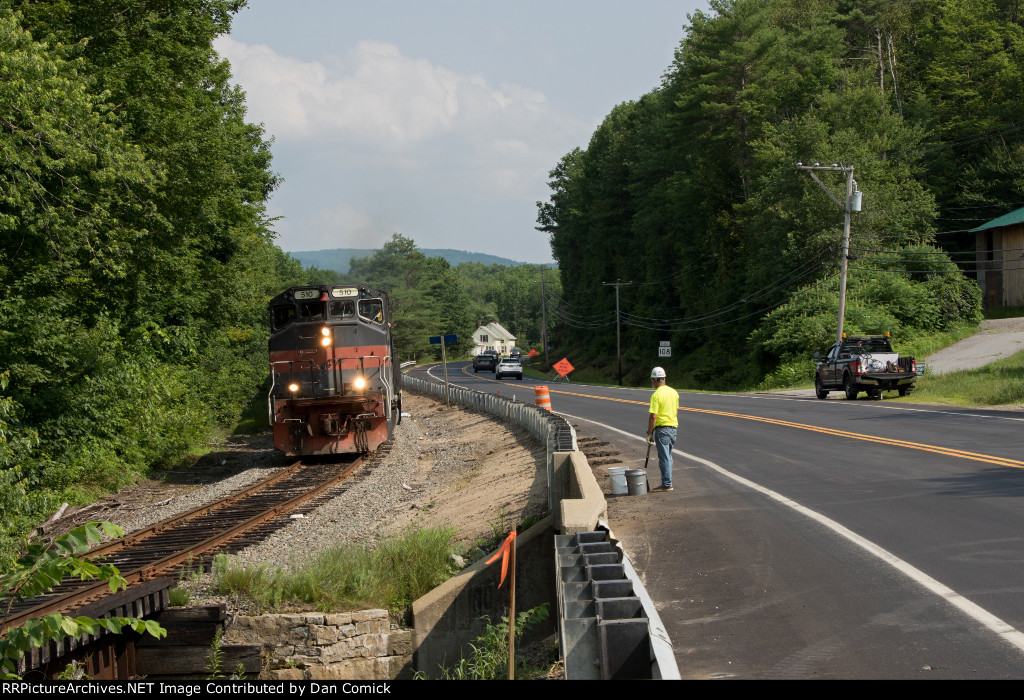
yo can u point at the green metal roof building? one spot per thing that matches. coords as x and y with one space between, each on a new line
999 246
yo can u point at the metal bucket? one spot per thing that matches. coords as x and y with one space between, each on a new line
618 477
636 481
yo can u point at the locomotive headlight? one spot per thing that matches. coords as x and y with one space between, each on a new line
293 387
325 331
325 342
359 383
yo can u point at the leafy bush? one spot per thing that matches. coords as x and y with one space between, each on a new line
22 501
135 254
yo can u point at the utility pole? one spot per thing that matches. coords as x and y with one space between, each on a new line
852 203
544 319
618 334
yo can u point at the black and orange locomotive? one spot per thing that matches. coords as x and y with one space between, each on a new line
335 382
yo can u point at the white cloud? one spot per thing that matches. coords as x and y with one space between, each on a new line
377 100
375 142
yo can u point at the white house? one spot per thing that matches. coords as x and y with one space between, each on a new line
492 336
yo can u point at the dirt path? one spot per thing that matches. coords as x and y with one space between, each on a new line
995 339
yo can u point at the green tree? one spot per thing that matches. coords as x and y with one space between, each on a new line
135 255
426 296
691 193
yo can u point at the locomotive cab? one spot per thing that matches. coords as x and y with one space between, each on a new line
335 384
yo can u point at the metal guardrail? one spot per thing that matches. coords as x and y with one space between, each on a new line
651 645
542 424
549 428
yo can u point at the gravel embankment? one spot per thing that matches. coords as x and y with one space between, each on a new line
436 453
379 502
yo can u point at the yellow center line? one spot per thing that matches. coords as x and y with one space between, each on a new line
948 451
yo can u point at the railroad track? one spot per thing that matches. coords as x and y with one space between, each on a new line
224 526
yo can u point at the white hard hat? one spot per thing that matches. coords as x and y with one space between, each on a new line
657 373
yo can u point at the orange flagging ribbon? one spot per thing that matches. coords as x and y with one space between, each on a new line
506 548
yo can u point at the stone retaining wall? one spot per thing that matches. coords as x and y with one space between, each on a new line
335 646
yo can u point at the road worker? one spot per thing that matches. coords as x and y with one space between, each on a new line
662 424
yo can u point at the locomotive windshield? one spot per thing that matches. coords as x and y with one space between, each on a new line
342 309
286 314
283 315
313 310
371 310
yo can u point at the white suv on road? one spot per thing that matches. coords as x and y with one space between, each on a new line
511 366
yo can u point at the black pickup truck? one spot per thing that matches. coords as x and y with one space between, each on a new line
864 363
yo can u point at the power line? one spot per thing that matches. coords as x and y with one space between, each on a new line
796 276
739 318
942 252
791 278
949 271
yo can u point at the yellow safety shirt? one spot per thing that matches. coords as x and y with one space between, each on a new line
665 405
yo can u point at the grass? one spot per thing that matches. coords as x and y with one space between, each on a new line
178 597
1005 312
390 576
1000 383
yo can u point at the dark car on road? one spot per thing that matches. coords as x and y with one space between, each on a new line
486 361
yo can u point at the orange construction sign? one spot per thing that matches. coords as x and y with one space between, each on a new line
563 367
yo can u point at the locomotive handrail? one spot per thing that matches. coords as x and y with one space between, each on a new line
388 389
271 404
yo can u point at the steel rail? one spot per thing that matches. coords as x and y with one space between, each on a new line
89 592
135 537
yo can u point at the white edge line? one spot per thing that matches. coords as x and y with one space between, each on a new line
972 610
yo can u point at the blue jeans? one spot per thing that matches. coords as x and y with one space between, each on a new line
665 440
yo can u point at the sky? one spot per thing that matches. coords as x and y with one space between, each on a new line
437 119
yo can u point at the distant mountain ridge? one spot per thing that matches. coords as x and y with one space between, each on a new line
338 259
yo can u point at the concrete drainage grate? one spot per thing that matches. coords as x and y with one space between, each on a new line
605 631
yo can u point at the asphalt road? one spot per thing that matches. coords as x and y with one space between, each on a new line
820 539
